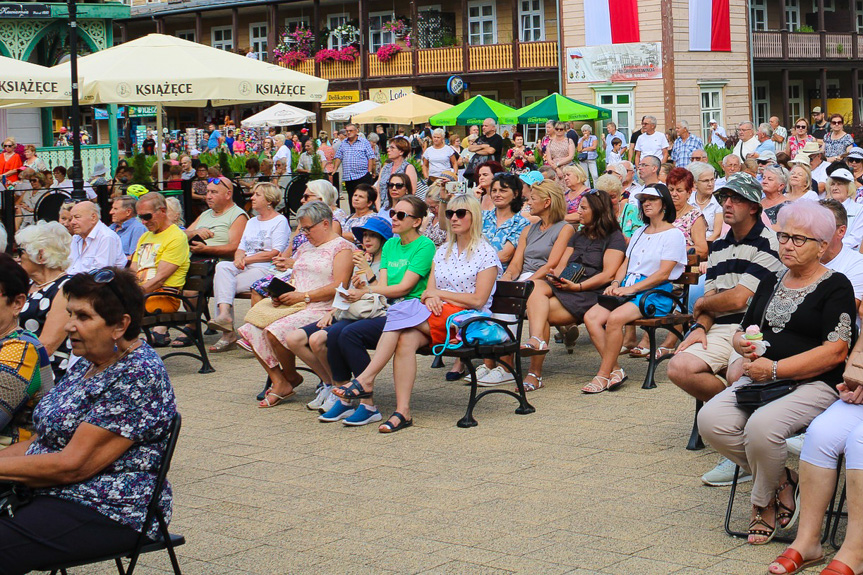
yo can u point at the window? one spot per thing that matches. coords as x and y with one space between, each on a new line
758 14
333 22
222 38
532 132
796 101
761 103
859 16
481 22
792 14
186 35
829 6
859 97
531 21
711 108
377 37
291 24
620 103
258 40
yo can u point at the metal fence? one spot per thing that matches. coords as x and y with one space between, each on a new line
90 156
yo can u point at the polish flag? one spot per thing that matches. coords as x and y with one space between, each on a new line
709 26
610 22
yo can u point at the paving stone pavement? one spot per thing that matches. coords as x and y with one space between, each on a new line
587 484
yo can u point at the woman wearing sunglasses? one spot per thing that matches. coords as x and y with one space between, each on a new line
655 257
462 276
837 142
560 150
10 161
799 137
399 186
398 150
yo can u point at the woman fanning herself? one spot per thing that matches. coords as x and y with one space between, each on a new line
656 256
463 274
806 314
599 247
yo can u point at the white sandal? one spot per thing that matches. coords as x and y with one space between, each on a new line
597 385
531 386
528 348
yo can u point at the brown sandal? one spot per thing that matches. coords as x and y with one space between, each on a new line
787 516
755 527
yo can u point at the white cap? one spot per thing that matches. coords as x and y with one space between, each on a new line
712 121
842 174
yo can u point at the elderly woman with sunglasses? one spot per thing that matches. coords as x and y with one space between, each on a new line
799 137
100 436
398 150
806 314
463 275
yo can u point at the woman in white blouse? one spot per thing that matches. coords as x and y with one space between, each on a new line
439 157
264 237
655 257
705 178
463 276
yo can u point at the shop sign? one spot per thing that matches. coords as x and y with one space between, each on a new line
339 99
25 11
386 95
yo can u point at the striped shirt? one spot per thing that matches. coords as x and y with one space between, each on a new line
732 263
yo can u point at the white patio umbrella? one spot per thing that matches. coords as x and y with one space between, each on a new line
344 114
26 84
164 70
279 115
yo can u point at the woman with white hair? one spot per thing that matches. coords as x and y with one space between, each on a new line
43 250
324 191
439 157
774 180
586 149
842 188
806 313
800 184
705 178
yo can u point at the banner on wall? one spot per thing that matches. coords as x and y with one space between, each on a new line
614 62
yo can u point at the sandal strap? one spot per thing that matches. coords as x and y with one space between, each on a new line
790 559
592 386
839 568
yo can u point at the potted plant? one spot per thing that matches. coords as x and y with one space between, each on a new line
400 27
294 47
387 52
347 33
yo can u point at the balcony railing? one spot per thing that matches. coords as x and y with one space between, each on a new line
782 45
449 60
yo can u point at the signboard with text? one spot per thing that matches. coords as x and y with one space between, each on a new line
339 99
387 95
614 62
24 10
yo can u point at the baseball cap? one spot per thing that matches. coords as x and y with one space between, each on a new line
842 175
374 224
816 110
744 185
532 177
766 156
712 121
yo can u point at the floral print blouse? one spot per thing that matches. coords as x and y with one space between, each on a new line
132 398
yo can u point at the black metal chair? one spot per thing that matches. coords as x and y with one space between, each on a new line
48 206
509 298
199 279
167 540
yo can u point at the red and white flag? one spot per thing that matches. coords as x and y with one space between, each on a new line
610 22
709 26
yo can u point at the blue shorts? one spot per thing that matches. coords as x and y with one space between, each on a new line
662 304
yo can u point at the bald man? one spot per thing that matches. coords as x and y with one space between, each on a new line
94 245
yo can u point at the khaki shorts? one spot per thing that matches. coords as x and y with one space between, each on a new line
719 353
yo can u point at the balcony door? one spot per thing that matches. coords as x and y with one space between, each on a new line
258 40
761 103
531 21
796 101
377 37
481 22
758 14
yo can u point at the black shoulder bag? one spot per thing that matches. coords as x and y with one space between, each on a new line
754 395
13 496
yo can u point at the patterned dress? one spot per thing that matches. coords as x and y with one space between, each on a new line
132 398
33 316
684 224
313 269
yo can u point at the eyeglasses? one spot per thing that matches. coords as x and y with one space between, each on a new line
397 185
707 181
801 126
305 231
735 199
146 217
610 172
308 197
459 213
400 216
798 240
106 276
696 158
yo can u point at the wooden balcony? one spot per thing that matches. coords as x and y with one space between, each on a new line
449 60
797 46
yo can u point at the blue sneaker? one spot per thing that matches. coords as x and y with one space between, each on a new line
338 411
363 415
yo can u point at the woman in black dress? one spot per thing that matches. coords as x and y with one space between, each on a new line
600 247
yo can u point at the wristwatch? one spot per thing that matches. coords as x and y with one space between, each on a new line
307 299
697 325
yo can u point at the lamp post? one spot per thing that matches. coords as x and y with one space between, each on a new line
77 175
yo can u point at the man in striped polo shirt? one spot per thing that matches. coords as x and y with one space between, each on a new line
736 264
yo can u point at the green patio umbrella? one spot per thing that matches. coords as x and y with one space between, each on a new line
471 112
556 107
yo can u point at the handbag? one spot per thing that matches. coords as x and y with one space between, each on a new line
370 305
264 313
573 272
853 373
582 156
751 396
612 302
12 496
476 333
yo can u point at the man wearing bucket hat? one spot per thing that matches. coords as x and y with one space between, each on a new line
736 264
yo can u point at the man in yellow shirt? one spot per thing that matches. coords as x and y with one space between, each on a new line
161 259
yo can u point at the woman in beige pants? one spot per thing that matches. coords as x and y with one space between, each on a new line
805 315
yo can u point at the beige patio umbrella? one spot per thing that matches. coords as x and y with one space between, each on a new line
159 70
410 109
26 84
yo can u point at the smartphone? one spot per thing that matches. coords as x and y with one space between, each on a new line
278 287
197 238
456 188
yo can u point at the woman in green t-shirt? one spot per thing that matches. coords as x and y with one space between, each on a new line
341 347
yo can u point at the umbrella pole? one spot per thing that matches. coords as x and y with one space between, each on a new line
159 140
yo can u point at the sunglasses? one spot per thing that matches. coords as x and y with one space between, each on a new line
397 185
459 213
855 160
106 276
8 146
610 172
801 127
835 124
735 199
146 217
400 216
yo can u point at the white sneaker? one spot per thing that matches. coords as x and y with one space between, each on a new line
795 444
318 401
330 399
496 376
481 372
723 474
